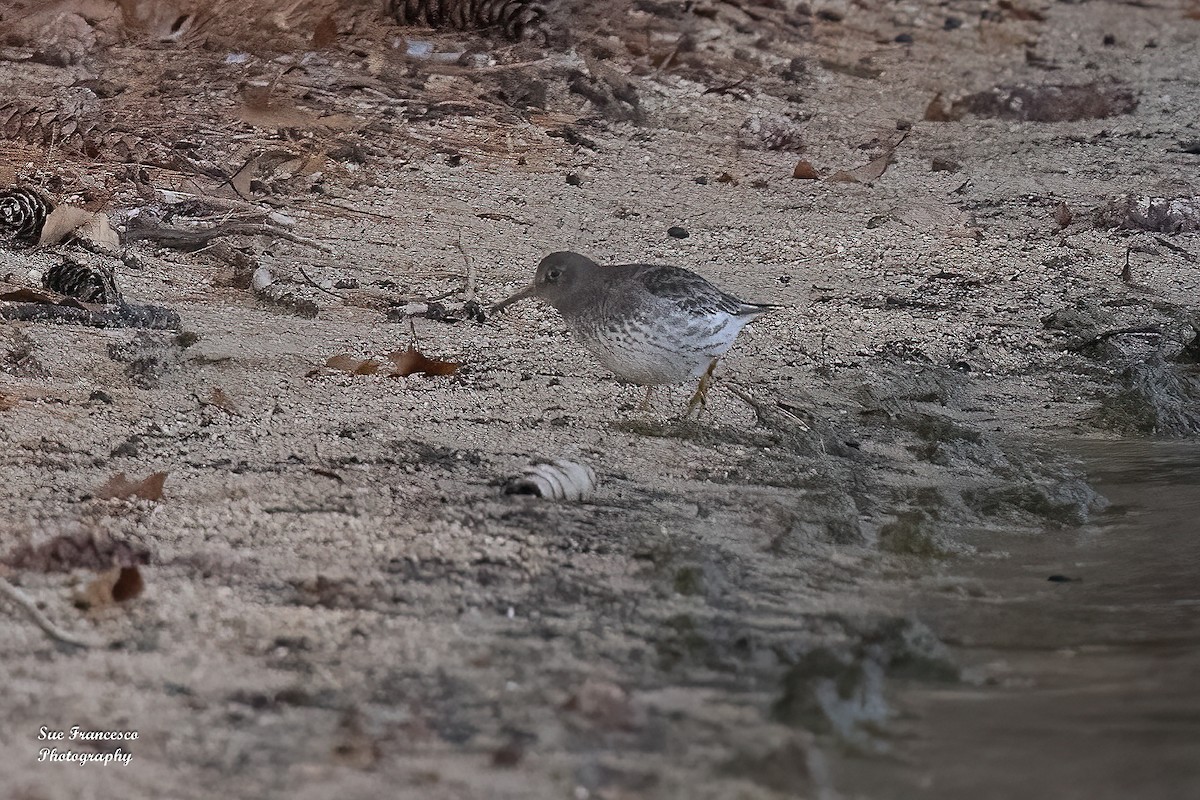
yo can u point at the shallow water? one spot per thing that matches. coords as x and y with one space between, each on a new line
1088 688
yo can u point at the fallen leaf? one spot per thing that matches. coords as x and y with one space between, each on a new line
936 110
98 231
805 171
112 586
41 298
221 400
355 366
129 584
872 169
864 174
67 221
411 361
1063 215
120 487
326 33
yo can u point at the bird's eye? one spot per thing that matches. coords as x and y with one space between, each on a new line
553 275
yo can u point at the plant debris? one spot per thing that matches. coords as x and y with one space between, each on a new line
1142 212
411 361
1047 103
403 363
119 487
116 585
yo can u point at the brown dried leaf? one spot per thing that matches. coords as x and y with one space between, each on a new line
111 586
41 298
129 584
936 111
221 400
411 362
866 173
355 366
62 222
120 487
325 34
1063 215
98 231
805 171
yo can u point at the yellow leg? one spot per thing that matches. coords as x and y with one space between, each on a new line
700 398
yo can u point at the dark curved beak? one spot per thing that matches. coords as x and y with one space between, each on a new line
527 292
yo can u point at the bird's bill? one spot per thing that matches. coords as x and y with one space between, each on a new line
527 292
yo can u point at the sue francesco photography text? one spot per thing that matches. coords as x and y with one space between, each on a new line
89 738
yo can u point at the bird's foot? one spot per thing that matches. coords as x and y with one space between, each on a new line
700 398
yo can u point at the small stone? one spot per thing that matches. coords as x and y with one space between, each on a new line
904 38
677 232
952 23
702 180
573 179
100 396
944 165
1109 40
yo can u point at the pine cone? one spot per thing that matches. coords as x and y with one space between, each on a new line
83 282
519 19
23 212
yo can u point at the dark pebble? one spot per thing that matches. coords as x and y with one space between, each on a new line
100 396
1109 40
952 23
904 38
785 279
702 180
829 15
1192 146
1061 579
678 232
574 180
453 160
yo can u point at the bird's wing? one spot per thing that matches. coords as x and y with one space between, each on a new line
691 293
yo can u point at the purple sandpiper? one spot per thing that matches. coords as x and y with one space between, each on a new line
650 324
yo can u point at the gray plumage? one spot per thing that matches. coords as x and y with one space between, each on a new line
649 324
518 19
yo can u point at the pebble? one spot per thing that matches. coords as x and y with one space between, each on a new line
678 232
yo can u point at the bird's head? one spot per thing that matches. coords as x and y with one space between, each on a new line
558 279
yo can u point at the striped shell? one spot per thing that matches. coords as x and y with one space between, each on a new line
23 212
555 480
519 19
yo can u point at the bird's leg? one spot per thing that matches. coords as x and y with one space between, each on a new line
645 404
700 398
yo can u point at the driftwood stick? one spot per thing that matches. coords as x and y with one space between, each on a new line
23 602
185 239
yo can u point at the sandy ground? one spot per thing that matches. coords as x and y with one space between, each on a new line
340 597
